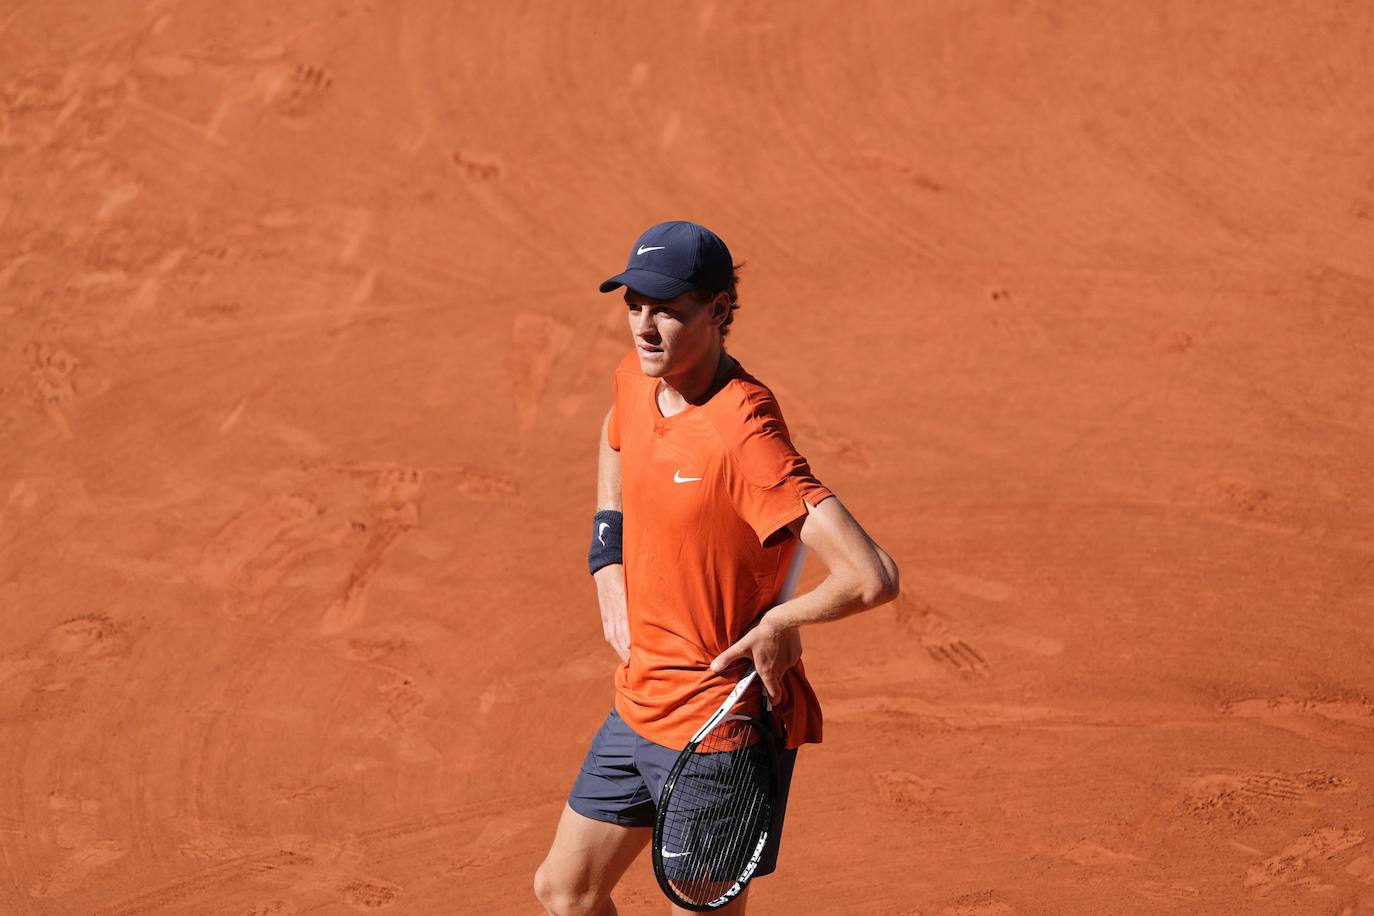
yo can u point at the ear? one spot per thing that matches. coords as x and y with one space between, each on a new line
720 306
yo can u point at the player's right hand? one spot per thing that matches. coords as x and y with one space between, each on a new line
615 620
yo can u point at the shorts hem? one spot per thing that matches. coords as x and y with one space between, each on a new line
605 817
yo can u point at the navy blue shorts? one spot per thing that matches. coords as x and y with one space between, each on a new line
623 775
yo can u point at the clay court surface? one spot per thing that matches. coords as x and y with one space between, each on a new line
302 366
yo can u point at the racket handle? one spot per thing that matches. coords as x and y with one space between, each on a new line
785 593
794 570
789 586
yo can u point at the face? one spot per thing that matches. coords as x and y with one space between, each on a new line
672 336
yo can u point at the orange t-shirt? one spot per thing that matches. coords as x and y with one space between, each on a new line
707 495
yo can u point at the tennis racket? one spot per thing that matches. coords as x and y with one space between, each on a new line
715 813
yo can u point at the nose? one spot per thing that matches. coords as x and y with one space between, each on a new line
643 325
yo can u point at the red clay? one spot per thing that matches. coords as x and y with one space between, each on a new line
302 364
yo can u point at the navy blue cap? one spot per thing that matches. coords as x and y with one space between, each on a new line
673 257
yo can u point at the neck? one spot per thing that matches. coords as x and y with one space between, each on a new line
703 380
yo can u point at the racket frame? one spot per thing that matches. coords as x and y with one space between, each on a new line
764 725
770 739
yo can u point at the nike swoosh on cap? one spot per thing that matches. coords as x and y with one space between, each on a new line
643 249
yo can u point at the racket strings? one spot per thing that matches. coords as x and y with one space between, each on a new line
719 812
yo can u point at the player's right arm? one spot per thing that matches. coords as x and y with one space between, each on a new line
610 579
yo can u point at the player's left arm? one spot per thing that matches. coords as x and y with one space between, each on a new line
860 575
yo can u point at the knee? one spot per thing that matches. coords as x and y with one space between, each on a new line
561 897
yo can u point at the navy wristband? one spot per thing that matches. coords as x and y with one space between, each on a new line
605 540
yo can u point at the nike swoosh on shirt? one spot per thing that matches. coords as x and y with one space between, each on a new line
678 478
643 249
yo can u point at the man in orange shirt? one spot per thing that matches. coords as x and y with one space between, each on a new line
701 500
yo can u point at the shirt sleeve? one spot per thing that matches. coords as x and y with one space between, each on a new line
613 430
770 483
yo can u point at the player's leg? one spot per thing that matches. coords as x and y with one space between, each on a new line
607 821
584 864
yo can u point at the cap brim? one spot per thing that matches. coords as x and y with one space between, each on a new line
648 283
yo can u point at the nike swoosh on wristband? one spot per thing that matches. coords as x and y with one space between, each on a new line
678 478
643 249
602 530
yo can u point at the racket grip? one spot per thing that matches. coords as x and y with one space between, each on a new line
794 570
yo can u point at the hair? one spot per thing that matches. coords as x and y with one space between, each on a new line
704 296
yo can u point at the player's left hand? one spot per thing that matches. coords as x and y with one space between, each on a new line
771 648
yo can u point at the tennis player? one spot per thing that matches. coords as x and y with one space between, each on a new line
701 499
